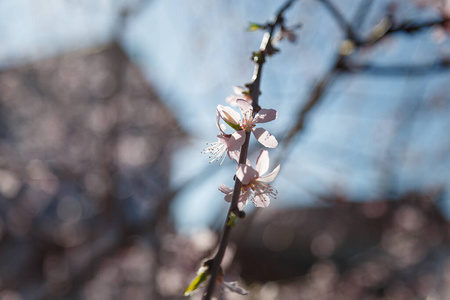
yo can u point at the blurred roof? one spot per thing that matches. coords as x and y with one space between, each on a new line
49 103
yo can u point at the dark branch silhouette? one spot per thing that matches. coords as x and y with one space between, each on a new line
395 70
266 49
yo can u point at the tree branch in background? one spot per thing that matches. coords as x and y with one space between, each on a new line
411 27
318 91
320 88
343 23
396 70
386 27
353 42
361 13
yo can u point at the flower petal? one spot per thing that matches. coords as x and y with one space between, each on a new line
243 199
233 287
220 126
228 197
228 114
236 140
245 173
261 199
262 162
238 90
238 94
232 99
223 138
245 107
269 177
265 138
227 191
266 115
234 155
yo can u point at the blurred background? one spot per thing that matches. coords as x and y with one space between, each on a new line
106 105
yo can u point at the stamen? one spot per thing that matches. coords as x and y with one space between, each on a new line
248 122
265 188
217 150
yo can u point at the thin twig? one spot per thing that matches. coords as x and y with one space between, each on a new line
406 27
266 48
413 27
396 70
314 98
343 23
361 13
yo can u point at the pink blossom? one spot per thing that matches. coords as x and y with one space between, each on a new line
285 33
243 197
226 144
248 122
254 185
251 179
239 93
220 148
236 139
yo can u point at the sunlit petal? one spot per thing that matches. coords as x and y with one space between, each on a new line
243 199
232 99
265 138
228 114
238 90
220 126
269 177
262 162
245 107
236 140
245 173
266 115
261 199
227 191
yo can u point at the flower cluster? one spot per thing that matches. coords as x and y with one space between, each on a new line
255 185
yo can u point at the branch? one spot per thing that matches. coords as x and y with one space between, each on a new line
320 88
406 27
318 91
345 26
361 13
342 64
413 27
266 49
351 34
397 70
